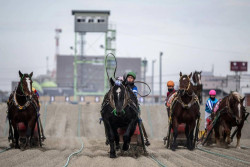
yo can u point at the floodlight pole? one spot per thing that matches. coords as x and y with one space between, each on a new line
152 80
160 76
75 68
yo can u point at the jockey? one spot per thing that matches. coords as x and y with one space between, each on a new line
171 90
209 107
35 91
130 78
170 85
37 94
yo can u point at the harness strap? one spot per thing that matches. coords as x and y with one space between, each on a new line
193 100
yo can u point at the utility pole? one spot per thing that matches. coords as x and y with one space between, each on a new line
144 62
152 80
57 37
47 65
160 76
82 43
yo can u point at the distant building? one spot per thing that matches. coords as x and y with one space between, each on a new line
226 84
4 96
91 75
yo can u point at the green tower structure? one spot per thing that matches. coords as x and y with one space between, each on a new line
93 21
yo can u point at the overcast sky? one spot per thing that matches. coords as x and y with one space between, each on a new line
193 35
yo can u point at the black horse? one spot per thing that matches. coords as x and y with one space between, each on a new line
23 107
119 110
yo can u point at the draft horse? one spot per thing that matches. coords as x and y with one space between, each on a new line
197 84
231 113
23 107
119 110
185 110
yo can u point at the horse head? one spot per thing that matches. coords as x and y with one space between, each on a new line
118 94
237 107
184 83
25 84
197 77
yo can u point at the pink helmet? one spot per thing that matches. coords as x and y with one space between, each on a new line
212 92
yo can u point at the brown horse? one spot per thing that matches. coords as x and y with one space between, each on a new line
185 110
231 113
23 107
197 87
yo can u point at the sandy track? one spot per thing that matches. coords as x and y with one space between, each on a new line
62 129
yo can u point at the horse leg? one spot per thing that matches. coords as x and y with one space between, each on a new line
111 138
105 128
16 135
175 134
191 135
189 130
128 134
228 138
239 135
217 135
29 132
187 135
117 139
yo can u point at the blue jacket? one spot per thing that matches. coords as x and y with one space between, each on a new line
210 104
134 89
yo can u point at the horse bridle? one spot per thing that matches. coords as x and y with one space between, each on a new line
186 89
112 101
229 107
21 83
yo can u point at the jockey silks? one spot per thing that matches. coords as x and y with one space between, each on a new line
209 109
133 87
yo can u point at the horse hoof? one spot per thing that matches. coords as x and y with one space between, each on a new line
17 147
112 156
190 148
173 147
117 148
125 147
147 143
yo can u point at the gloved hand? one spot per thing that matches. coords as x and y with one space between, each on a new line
118 83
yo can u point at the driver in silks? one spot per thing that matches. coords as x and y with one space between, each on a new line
130 78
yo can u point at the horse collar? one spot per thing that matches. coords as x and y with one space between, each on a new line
18 105
193 100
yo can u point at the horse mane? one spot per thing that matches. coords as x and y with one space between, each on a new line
237 96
